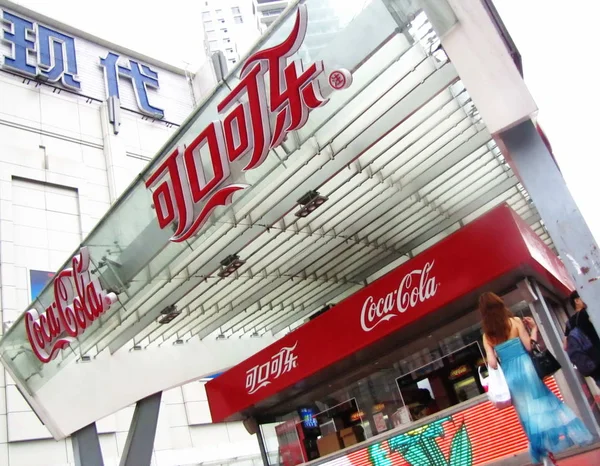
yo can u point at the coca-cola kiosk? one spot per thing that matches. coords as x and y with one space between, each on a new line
391 373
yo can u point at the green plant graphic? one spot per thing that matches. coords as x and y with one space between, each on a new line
419 447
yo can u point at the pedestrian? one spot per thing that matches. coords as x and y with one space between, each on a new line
549 424
581 321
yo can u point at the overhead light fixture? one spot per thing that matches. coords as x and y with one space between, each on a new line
221 337
230 264
168 314
311 201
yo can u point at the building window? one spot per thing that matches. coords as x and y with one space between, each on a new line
236 10
213 45
211 35
238 19
274 12
206 15
229 50
219 12
208 25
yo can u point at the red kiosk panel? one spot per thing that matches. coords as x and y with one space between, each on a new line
495 245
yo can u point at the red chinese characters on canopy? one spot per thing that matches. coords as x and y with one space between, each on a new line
254 121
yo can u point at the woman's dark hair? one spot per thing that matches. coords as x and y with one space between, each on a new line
573 297
495 317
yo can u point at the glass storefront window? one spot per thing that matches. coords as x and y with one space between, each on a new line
436 372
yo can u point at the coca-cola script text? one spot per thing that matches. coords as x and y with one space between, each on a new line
416 287
78 301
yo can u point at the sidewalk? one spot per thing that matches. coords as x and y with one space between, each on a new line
588 456
591 458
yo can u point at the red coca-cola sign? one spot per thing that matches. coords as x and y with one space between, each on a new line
78 301
416 287
493 247
253 122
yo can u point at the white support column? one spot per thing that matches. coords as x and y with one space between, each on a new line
8 288
572 237
114 149
484 65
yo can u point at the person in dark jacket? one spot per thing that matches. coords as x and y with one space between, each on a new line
581 320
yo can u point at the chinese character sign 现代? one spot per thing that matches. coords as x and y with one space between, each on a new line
39 52
141 76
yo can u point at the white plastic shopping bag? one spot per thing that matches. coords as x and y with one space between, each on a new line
496 387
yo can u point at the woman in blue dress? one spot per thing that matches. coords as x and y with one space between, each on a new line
549 424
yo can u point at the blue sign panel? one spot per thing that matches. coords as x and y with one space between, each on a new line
308 418
37 281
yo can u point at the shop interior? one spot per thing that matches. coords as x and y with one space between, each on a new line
429 368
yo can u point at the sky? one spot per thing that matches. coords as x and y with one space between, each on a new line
555 39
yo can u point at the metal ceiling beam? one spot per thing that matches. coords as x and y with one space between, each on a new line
246 319
242 321
306 269
391 118
235 326
408 189
477 141
303 268
216 321
220 320
341 270
432 232
179 292
316 302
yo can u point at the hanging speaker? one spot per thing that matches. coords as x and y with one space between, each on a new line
251 425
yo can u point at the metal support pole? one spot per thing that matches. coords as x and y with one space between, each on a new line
261 445
553 339
538 172
86 447
140 439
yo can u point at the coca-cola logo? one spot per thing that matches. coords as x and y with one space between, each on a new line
416 287
78 301
272 98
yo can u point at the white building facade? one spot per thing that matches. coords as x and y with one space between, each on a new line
268 11
230 26
79 119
